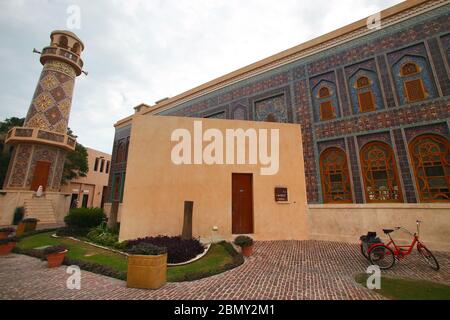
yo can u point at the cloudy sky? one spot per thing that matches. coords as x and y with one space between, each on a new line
142 51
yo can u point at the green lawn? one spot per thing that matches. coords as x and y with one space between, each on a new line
218 258
409 289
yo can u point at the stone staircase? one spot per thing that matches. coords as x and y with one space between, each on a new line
40 208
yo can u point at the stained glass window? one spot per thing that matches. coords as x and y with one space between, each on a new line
362 82
414 89
409 69
327 110
430 155
324 92
380 173
336 186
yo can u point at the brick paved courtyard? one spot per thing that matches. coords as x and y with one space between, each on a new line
278 270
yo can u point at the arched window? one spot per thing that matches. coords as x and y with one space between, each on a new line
430 155
380 173
414 88
117 186
271 118
63 42
326 107
336 185
120 153
362 82
365 96
409 69
324 92
127 146
76 48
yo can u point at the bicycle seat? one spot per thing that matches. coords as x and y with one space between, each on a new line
387 231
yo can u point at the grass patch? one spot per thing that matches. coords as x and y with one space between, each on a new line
77 250
214 262
409 289
220 257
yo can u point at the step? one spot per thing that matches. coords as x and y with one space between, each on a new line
41 209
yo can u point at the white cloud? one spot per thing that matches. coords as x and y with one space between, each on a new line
141 51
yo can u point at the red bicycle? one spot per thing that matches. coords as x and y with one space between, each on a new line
385 255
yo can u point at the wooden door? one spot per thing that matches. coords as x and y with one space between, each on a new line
40 176
242 203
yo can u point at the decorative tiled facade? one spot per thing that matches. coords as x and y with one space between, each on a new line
50 107
422 38
24 160
39 159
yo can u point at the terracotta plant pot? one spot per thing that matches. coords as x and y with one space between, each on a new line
4 234
30 226
56 259
6 248
147 272
21 227
247 251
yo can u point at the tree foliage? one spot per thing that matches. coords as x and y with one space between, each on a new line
76 164
9 123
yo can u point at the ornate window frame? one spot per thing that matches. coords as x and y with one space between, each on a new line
418 71
420 168
370 170
341 169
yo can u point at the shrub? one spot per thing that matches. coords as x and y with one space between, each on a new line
72 232
8 240
84 217
19 213
96 268
54 249
103 235
121 245
178 250
147 249
243 241
7 229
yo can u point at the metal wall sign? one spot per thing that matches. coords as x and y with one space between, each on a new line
281 194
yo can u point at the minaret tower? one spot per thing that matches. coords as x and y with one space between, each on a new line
40 146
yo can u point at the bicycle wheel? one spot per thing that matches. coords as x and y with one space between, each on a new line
428 256
363 251
382 256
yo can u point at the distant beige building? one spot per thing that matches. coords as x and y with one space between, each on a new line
90 191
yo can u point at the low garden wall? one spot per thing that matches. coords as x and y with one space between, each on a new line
347 222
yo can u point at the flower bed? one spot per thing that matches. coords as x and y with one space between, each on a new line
178 250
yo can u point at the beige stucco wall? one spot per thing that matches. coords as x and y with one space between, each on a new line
94 181
155 188
10 200
348 222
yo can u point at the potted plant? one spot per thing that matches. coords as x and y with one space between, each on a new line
55 255
246 244
5 232
19 213
26 225
147 266
7 244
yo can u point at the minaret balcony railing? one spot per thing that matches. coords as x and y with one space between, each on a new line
66 55
36 135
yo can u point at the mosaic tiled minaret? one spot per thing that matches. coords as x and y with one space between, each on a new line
40 146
